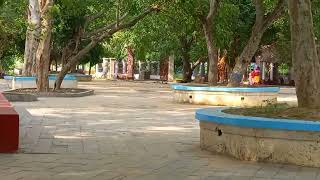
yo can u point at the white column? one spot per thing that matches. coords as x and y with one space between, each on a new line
116 69
140 70
111 71
158 68
105 69
124 67
271 71
263 71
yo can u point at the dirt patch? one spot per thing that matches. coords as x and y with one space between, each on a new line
283 111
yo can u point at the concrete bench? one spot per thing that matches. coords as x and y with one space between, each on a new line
9 127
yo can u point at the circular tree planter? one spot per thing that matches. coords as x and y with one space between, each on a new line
19 97
225 96
260 139
70 92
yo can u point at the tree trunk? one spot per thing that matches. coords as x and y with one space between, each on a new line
56 65
73 61
32 38
212 54
262 23
187 71
74 68
90 66
248 52
186 44
207 25
43 52
304 54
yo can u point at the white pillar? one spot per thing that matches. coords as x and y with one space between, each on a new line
111 72
171 68
116 69
158 68
263 71
124 67
105 69
140 70
271 71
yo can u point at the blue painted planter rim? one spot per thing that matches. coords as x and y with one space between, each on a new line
25 78
224 89
217 116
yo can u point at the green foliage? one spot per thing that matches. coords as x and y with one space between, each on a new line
155 37
10 61
95 56
283 69
316 18
12 32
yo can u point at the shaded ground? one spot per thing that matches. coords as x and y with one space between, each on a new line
278 111
126 131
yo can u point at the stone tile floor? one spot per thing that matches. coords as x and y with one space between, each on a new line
126 131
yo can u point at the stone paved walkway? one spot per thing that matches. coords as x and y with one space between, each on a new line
126 131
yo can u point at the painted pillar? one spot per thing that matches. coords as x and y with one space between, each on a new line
130 63
158 68
105 69
97 68
141 70
124 67
171 68
116 69
271 71
263 71
111 73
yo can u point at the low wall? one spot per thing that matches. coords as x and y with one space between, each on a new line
18 82
225 96
82 77
260 139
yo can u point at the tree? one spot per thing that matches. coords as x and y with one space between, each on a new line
12 29
185 34
44 47
207 24
305 59
32 38
263 21
88 35
94 56
173 31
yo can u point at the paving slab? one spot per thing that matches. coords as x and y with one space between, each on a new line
126 131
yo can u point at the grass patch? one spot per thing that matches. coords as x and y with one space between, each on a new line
282 111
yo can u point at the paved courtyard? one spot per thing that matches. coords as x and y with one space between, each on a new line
126 131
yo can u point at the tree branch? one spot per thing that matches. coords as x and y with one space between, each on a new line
108 34
214 4
200 60
276 13
105 28
93 17
45 6
260 11
135 20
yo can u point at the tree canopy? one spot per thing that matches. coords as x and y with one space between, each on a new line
72 32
